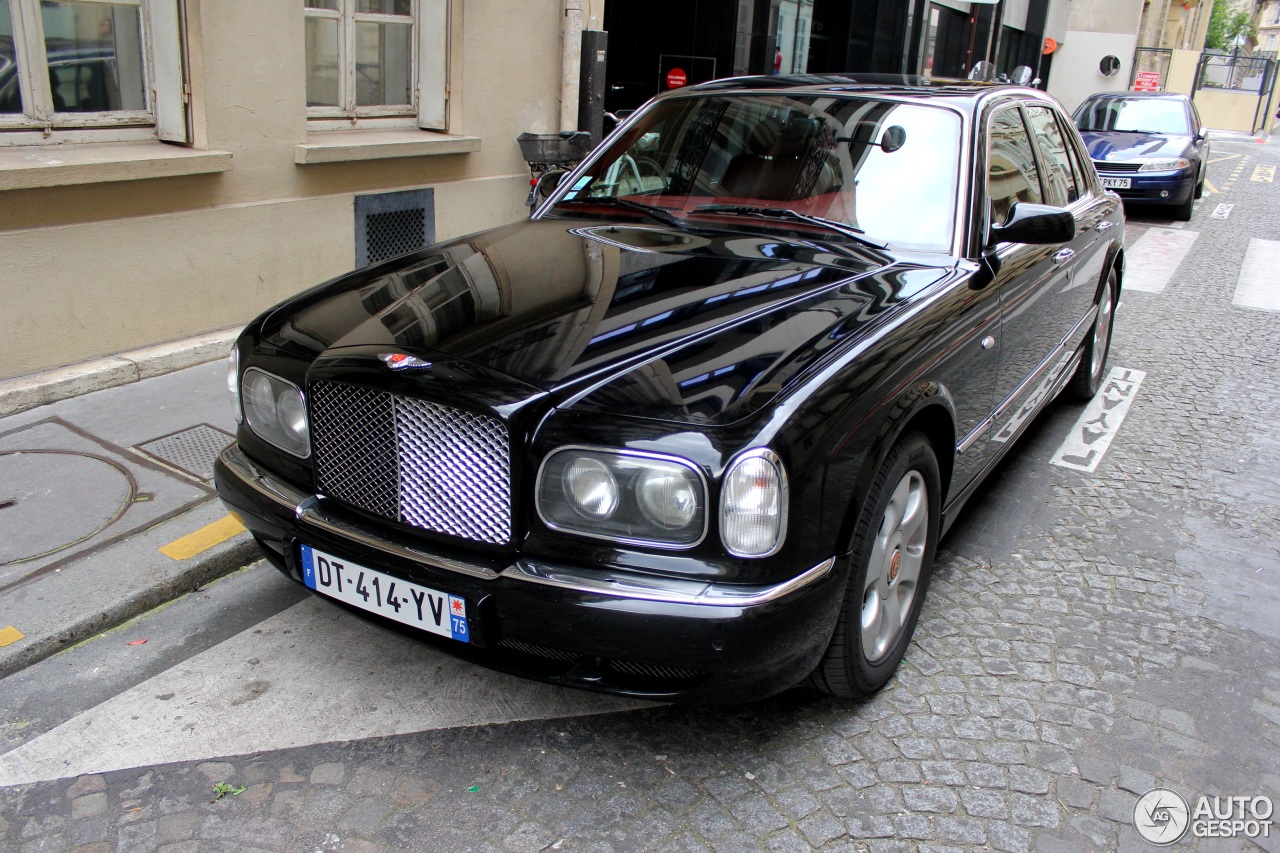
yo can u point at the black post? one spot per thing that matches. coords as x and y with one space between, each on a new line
591 83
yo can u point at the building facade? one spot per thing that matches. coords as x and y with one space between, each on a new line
172 167
703 39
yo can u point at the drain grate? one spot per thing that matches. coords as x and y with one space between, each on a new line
192 451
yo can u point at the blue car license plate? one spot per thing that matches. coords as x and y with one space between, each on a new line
393 598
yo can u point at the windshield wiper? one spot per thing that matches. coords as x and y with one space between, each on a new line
653 211
847 230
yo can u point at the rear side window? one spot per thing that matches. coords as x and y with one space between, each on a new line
1011 167
1059 180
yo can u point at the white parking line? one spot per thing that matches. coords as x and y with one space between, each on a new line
1155 257
1256 287
1092 435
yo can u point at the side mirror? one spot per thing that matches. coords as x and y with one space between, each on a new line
545 186
1035 223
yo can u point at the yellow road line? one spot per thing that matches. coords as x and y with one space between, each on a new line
10 635
203 539
1210 188
1263 172
1225 157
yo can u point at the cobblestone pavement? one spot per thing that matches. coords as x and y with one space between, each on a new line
1088 637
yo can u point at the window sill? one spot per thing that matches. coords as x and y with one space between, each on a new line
33 166
347 146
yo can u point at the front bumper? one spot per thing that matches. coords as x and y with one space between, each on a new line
1147 187
595 628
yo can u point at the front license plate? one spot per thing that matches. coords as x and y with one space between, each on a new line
1117 183
394 598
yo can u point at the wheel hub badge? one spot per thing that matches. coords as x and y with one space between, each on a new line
895 563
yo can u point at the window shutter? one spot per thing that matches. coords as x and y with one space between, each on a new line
433 63
166 65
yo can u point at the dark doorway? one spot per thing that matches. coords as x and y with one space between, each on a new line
651 38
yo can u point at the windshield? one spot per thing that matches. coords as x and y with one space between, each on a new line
888 170
1150 115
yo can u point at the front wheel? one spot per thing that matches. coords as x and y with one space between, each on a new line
1093 361
893 549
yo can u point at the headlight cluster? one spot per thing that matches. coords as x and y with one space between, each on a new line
623 495
1165 165
646 499
276 411
753 504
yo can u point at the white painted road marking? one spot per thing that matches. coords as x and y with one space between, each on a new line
1259 282
1222 211
1092 435
1155 257
311 674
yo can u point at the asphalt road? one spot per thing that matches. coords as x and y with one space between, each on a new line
1090 635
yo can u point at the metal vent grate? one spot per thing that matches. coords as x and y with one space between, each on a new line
391 224
431 466
651 671
192 451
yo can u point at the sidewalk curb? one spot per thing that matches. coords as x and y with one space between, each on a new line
28 392
61 592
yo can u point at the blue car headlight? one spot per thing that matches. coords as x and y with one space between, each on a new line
276 411
1166 165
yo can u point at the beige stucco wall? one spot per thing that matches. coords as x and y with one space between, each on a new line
96 269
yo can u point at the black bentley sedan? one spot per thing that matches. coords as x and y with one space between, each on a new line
695 428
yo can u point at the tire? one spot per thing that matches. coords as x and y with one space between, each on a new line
1089 374
1183 212
1199 193
902 512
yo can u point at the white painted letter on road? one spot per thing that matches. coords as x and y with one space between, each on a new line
1092 435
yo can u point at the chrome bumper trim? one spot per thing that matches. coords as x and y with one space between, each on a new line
665 590
310 510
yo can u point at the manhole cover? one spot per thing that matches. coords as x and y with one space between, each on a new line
192 451
53 499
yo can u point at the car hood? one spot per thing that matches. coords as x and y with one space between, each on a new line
1122 145
624 318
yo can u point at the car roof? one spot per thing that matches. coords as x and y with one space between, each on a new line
1127 96
966 94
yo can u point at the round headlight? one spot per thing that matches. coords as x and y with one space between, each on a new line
262 400
667 498
291 411
591 487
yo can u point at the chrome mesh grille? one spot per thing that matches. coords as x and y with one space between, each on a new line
455 477
424 464
354 439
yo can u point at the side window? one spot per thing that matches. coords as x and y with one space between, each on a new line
1059 182
1011 167
1086 177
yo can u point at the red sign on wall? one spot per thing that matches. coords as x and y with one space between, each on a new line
1146 81
676 78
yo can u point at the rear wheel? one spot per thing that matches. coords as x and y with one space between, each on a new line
893 549
1093 361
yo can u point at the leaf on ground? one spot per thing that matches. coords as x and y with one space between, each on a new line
221 789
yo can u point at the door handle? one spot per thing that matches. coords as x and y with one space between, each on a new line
1104 226
1065 254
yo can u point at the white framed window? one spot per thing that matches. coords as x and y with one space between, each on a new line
79 64
377 59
